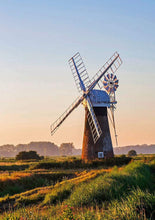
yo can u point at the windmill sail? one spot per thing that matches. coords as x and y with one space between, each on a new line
109 67
93 122
61 119
85 85
79 72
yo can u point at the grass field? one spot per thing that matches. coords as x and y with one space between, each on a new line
67 188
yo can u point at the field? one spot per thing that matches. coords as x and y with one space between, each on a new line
67 188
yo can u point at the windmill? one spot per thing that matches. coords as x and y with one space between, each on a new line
97 139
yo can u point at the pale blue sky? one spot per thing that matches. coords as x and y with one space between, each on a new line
38 37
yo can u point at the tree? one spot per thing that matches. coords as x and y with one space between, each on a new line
132 153
24 155
66 149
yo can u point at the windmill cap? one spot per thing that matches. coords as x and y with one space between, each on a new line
99 98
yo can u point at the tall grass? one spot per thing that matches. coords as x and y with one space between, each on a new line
17 184
59 194
126 193
111 186
137 205
14 167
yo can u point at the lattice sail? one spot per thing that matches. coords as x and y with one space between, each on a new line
93 122
114 67
78 69
84 84
61 119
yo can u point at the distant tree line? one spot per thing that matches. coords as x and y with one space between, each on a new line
65 149
42 148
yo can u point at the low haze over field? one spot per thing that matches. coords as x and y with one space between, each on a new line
36 84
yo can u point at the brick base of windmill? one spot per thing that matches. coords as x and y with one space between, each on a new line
103 146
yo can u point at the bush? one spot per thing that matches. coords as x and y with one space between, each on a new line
132 153
24 155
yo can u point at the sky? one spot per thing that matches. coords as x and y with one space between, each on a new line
37 38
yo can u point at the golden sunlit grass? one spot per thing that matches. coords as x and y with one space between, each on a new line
87 175
88 194
13 175
40 192
11 163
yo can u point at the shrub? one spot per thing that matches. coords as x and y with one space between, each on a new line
24 155
132 153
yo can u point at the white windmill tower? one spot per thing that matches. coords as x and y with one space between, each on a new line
97 138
